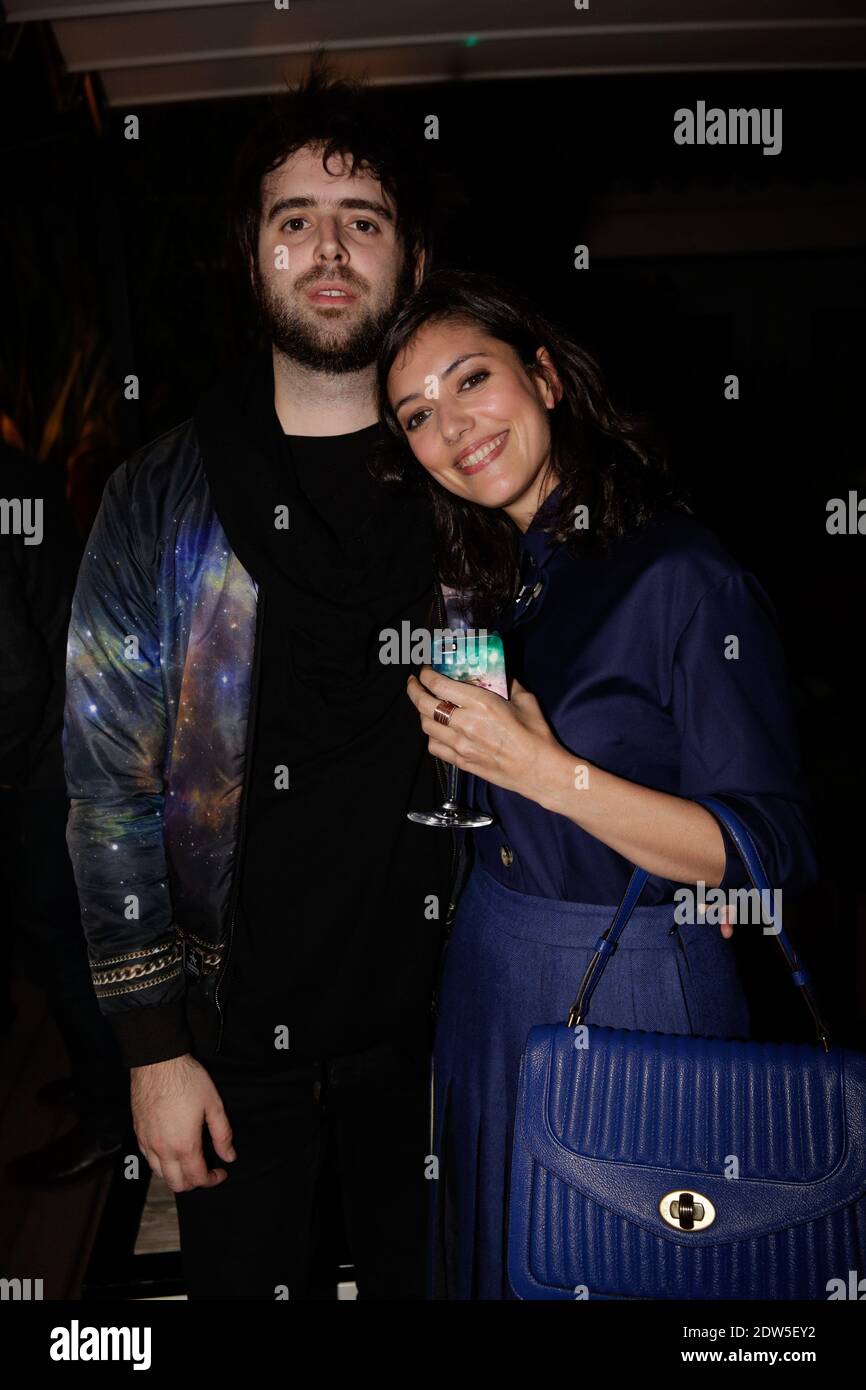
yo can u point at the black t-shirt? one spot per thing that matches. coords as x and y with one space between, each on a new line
334 939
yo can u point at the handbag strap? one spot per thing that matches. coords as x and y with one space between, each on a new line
747 850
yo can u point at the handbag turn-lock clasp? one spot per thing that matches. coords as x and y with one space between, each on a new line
687 1211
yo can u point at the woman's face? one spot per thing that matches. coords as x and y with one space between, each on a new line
474 417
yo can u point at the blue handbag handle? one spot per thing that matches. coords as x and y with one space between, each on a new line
607 942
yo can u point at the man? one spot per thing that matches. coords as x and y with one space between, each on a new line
262 919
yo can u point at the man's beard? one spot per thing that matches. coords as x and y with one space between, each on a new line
313 345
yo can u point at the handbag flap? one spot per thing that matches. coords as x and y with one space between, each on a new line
634 1116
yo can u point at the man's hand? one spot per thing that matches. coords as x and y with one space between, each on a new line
170 1103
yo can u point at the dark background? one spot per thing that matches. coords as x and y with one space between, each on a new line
703 262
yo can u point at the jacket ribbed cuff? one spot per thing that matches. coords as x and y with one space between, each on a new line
155 1033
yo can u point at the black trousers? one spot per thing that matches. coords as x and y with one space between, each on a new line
354 1129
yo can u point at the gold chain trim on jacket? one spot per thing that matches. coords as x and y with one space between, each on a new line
170 956
145 984
139 969
136 955
211 951
211 959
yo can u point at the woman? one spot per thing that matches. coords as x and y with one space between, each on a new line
646 670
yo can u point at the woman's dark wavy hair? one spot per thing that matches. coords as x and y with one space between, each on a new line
605 459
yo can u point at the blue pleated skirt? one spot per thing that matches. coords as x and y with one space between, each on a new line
514 961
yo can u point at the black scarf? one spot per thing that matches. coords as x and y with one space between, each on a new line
350 563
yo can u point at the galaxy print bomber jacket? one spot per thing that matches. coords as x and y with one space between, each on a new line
160 679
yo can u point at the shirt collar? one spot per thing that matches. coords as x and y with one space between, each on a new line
534 549
535 541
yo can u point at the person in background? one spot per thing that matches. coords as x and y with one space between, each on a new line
37 576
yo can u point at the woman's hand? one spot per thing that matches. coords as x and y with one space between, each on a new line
506 742
510 744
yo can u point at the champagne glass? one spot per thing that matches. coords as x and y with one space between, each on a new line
485 667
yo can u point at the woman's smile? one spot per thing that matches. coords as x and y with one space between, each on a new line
477 456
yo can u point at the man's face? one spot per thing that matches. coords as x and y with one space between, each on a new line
329 296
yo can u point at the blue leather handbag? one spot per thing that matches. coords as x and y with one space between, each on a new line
657 1166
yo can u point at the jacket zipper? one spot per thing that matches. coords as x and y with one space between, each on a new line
242 826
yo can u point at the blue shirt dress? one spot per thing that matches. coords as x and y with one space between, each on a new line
660 662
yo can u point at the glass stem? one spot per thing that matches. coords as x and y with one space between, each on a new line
452 782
